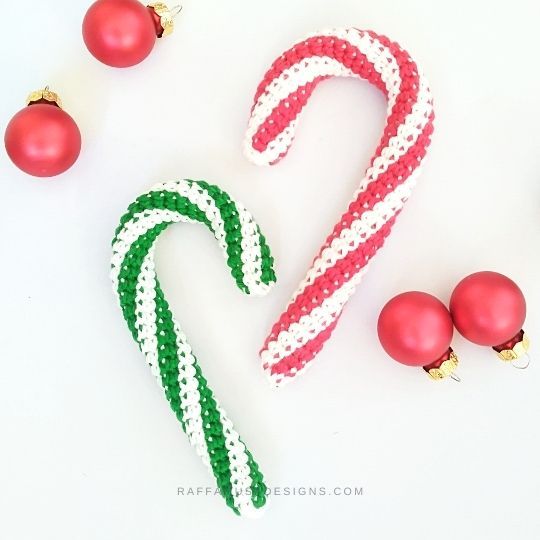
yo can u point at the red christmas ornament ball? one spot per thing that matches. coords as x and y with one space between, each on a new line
488 308
119 33
415 328
43 140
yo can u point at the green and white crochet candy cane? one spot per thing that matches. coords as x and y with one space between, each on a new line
159 336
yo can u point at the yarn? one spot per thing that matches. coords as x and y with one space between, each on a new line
314 310
159 336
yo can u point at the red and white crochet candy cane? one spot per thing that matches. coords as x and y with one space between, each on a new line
312 314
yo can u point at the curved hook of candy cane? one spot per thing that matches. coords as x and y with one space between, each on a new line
308 321
159 336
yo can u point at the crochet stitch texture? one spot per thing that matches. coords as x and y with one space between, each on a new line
314 310
159 336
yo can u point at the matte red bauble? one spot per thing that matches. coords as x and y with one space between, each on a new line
42 139
488 308
122 33
416 329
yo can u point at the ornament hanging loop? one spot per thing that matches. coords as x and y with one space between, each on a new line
455 377
527 361
176 10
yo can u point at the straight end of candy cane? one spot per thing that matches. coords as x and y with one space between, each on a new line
277 372
251 512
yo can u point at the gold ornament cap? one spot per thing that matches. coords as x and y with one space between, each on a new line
444 367
166 17
44 96
515 348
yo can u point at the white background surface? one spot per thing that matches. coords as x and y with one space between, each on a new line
89 448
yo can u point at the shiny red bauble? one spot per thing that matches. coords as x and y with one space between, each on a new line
488 308
119 33
42 139
415 328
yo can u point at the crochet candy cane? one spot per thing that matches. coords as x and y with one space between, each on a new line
159 336
315 308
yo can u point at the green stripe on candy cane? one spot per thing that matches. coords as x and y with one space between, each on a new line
159 336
